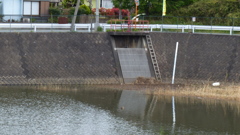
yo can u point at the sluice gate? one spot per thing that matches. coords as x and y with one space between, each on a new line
132 55
134 63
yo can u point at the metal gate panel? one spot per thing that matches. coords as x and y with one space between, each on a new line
134 63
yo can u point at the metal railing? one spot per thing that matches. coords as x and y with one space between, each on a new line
85 23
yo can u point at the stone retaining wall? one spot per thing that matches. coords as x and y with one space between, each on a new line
56 58
200 56
87 58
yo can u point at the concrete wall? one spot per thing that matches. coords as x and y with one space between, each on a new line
56 58
201 56
87 58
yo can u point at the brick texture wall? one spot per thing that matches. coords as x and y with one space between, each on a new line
87 58
57 58
200 56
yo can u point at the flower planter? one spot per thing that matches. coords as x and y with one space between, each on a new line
62 20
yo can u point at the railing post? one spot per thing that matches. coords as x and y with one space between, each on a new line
104 28
35 28
232 25
31 20
89 29
92 25
211 24
162 24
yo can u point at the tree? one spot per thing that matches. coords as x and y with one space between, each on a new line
124 4
69 3
75 15
152 7
90 4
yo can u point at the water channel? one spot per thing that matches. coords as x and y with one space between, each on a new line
81 110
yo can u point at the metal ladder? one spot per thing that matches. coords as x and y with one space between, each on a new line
153 57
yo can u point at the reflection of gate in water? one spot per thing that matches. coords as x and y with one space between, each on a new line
137 104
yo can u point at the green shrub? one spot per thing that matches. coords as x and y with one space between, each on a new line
233 19
53 20
83 9
86 9
33 20
54 11
99 29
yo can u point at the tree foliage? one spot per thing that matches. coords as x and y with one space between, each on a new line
216 8
152 7
83 9
54 11
70 3
124 4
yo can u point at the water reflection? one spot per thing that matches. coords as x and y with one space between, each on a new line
193 115
132 103
86 110
33 112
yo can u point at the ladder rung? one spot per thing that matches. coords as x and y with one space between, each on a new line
153 57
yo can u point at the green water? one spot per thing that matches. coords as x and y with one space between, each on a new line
87 111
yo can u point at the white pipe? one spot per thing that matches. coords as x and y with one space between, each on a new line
174 115
174 65
173 107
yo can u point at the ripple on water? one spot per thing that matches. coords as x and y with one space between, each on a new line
53 114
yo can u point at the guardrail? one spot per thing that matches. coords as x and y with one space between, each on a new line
43 27
88 27
184 28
